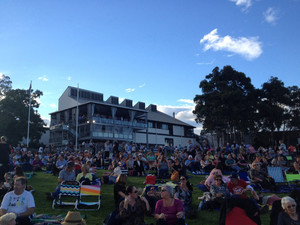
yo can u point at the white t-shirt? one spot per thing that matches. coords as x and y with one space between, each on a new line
17 203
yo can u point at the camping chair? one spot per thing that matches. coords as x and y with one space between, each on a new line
276 174
292 178
89 196
68 192
244 176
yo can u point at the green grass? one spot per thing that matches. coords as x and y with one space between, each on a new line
43 183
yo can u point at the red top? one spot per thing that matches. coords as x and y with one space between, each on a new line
237 189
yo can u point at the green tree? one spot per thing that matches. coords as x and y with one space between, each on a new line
273 99
292 113
5 85
227 103
14 116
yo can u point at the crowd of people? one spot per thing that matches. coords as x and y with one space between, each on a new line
170 205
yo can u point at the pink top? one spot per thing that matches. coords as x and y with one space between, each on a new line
169 211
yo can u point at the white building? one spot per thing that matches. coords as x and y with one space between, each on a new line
101 120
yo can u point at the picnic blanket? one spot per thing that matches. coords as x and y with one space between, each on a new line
49 219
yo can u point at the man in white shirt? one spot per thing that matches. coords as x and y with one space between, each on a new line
19 201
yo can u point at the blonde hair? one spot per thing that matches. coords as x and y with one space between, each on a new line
7 218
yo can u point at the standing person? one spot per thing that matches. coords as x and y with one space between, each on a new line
120 189
133 208
289 216
4 157
168 210
19 201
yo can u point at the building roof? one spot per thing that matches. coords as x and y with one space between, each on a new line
162 117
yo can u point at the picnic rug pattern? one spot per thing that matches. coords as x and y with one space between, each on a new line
50 219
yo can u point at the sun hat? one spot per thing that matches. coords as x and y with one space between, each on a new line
73 218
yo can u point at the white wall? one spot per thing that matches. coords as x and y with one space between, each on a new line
178 130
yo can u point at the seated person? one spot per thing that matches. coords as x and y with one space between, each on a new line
85 176
289 215
218 192
110 177
190 163
185 194
262 178
296 165
152 196
133 208
238 188
163 167
231 164
151 160
37 164
67 174
13 199
210 179
168 210
138 165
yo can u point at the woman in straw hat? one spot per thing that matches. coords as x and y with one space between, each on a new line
73 218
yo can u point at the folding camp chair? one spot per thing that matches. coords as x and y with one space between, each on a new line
244 176
292 177
89 196
69 192
276 174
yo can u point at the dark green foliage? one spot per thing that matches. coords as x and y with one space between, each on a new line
14 116
227 103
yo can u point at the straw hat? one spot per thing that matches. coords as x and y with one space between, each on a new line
73 218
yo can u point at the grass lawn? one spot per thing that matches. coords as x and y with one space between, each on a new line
43 183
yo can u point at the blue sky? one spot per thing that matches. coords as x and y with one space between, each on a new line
146 50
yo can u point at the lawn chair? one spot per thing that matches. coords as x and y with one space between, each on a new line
90 196
244 176
68 196
292 178
276 174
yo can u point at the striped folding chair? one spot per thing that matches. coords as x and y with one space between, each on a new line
89 197
68 195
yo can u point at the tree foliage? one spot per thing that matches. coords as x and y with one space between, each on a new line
14 115
5 85
230 104
227 103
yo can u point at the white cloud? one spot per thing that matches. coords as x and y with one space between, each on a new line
206 63
143 85
183 113
1 75
243 3
249 48
121 99
189 101
53 105
69 78
46 120
128 90
43 78
271 16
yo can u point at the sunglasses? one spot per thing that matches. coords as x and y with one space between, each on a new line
218 179
291 206
163 190
182 179
135 192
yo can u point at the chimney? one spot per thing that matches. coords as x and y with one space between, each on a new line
173 114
